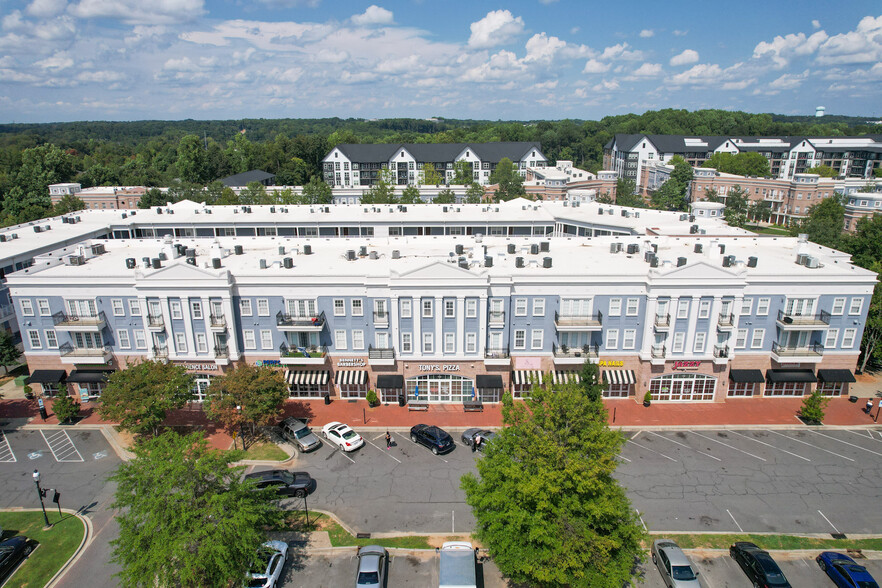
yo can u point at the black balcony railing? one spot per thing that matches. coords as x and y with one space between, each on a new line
658 351
293 320
68 349
726 319
497 316
805 351
496 353
583 351
160 351
218 320
381 352
808 320
72 318
155 320
663 320
578 320
221 350
310 351
381 316
721 351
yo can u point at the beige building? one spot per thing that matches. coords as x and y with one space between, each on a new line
99 197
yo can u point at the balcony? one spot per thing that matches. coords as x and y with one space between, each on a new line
381 318
155 322
6 310
497 356
578 323
662 322
217 323
312 355
721 354
222 351
657 354
381 355
84 355
497 318
806 354
160 352
726 321
565 355
297 323
79 323
804 322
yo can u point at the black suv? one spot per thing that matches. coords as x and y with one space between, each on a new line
436 439
286 483
758 565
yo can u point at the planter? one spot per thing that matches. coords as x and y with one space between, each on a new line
809 422
374 404
646 403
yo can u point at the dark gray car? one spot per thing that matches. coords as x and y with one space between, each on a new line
296 432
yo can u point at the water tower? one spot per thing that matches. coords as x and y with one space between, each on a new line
819 111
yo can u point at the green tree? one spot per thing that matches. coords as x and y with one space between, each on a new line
824 223
317 191
65 408
605 198
153 197
192 163
825 171
474 193
668 197
546 503
382 192
248 395
737 207
868 188
626 194
139 396
742 164
186 517
254 193
878 172
430 176
445 196
239 154
813 407
9 351
410 195
509 181
68 203
711 195
462 173
759 210
682 173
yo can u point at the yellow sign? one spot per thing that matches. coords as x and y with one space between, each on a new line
607 363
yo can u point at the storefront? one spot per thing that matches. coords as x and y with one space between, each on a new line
488 388
683 387
351 383
522 382
390 387
744 383
307 383
50 381
834 382
441 388
618 383
88 384
789 382
202 374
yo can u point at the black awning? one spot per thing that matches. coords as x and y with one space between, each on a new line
791 376
47 376
393 381
836 376
488 381
88 376
746 376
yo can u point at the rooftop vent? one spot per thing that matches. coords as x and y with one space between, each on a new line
681 261
307 250
216 262
350 255
131 262
98 249
544 246
288 262
238 249
362 251
800 258
534 249
519 262
615 247
546 262
751 261
511 248
812 262
488 261
156 262
262 264
459 249
633 248
653 262
693 229
396 254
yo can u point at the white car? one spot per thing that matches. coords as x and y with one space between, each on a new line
342 436
268 566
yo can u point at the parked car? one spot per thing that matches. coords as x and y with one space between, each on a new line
342 436
468 437
296 432
844 571
371 567
435 438
675 568
758 565
12 551
286 483
267 568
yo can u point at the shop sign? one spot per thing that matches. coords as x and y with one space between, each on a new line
447 367
687 364
199 367
351 362
268 362
610 363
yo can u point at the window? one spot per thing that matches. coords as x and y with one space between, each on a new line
471 345
340 339
357 306
116 304
245 306
122 336
427 308
536 338
679 342
615 307
406 308
449 342
449 308
358 339
830 338
747 306
741 339
629 337
855 306
201 343
632 307
762 307
266 339
428 343
471 308
180 342
27 308
682 309
612 338
248 337
339 307
520 339
262 307
848 338
704 308
175 306
51 339
43 307
520 307
838 306
700 339
538 307
34 337
140 339
758 336
134 307
196 309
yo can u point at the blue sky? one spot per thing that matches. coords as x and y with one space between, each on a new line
66 60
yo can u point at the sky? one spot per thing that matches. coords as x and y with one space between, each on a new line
67 60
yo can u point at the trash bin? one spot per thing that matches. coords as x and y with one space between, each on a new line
852 398
327 399
401 401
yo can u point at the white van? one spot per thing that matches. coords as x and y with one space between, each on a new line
457 565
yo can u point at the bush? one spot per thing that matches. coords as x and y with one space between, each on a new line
813 407
65 408
647 398
371 397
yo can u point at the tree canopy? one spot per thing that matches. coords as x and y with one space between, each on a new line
247 395
626 195
139 397
742 164
509 181
737 207
825 171
824 223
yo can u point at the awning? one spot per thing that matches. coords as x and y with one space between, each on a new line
350 377
746 376
836 376
526 377
88 376
47 376
390 381
310 378
791 376
625 377
485 381
562 377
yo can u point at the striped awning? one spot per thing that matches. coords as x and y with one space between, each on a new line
350 377
564 377
619 377
526 377
311 378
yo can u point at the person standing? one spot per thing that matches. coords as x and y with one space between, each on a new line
388 440
476 442
869 405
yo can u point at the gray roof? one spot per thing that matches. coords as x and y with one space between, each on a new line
437 152
243 179
368 152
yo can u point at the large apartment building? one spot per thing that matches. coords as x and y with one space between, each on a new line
440 303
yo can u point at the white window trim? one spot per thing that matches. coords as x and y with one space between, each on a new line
762 306
49 344
356 335
636 307
123 333
338 339
612 339
538 307
520 307
679 342
339 309
747 306
406 342
427 308
450 309
43 310
762 335
615 307
246 335
533 334
27 307
406 308
471 344
701 338
831 334
134 307
852 311
141 339
633 335
682 309
356 306
471 308
704 307
523 345
841 303
32 333
181 342
428 343
746 336
245 307
177 313
263 339
265 303
201 343
449 342
848 338
120 311
196 310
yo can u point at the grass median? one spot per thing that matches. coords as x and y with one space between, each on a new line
265 451
340 537
56 545
785 542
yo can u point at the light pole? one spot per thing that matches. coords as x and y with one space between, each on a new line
241 426
40 493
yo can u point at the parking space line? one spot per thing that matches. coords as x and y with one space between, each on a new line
846 442
768 444
734 521
6 454
869 435
620 456
346 455
652 450
686 446
727 445
639 516
828 521
62 446
384 451
809 444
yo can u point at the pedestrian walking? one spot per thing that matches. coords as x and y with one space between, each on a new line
388 440
869 405
476 442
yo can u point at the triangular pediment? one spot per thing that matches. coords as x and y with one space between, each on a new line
438 271
700 271
181 271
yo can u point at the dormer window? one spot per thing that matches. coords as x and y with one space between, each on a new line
402 154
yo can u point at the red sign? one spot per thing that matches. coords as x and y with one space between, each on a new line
686 365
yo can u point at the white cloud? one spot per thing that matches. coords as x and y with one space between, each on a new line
685 58
374 15
497 28
816 24
575 30
592 66
646 33
101 77
648 70
14 21
702 73
781 50
542 49
502 66
680 33
740 84
620 51
56 62
606 86
138 12
863 45
180 64
46 8
789 81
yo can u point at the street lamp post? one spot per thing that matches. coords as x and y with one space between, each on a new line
40 494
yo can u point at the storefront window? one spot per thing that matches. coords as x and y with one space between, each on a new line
785 389
742 388
200 387
442 388
683 387
830 388
617 391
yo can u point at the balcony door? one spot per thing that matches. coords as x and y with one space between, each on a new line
154 308
88 340
217 308
726 308
800 306
496 341
82 308
796 339
662 311
382 340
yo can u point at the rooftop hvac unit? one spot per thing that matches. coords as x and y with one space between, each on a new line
698 248
727 261
600 211
615 247
191 260
624 212
691 218
145 261
444 208
655 247
37 229
464 264
488 261
693 229
238 249
373 255
459 249
684 217
207 211
98 249
215 262
262 264
131 263
272 210
362 251
307 250
812 262
2 238
544 246
350 255
800 258
647 255
79 219
281 250
534 249
633 248
170 211
511 248
190 252
156 263
288 262
681 261
546 262
396 254
722 248
751 261
653 262
519 262
162 256
159 211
